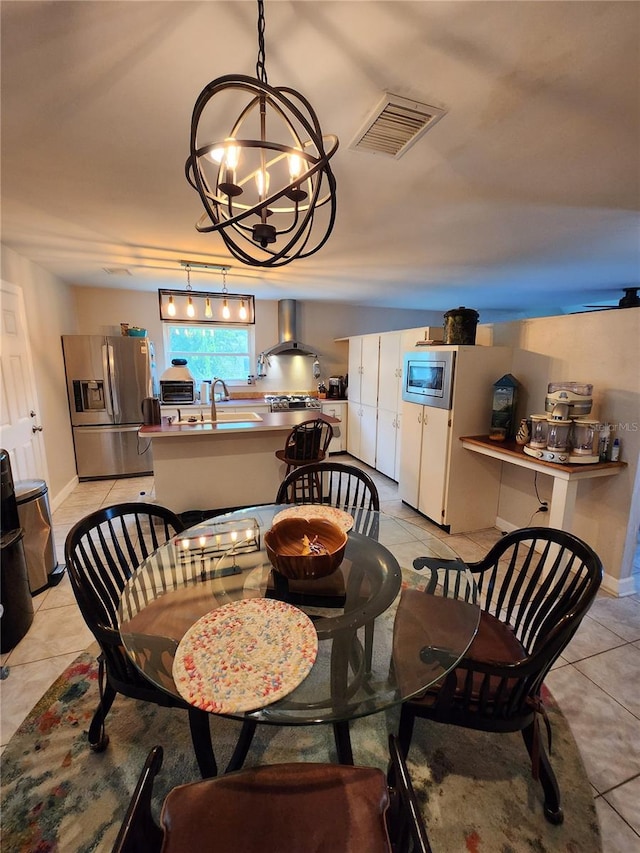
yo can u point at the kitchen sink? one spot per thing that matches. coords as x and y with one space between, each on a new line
221 418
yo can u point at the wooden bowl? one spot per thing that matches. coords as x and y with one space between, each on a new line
285 543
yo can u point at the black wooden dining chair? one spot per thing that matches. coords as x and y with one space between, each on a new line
307 442
535 586
327 808
102 551
338 485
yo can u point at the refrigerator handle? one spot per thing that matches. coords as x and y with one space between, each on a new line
110 400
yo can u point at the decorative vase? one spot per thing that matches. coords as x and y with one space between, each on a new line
523 435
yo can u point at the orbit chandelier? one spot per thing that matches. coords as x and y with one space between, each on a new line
266 183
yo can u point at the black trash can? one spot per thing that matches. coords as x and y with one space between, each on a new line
16 606
39 548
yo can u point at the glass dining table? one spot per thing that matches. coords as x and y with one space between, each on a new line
384 632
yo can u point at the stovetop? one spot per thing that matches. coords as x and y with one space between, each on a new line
282 402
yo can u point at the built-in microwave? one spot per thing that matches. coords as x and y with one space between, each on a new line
427 377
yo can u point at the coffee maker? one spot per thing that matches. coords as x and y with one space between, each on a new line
337 388
564 432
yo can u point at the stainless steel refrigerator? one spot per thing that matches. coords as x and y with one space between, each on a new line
107 380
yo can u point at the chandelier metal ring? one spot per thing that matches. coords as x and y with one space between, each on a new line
263 183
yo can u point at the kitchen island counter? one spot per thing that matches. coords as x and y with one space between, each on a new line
206 466
269 422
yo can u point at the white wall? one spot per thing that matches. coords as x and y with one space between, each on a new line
602 348
50 313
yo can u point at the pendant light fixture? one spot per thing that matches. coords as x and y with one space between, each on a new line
265 181
190 306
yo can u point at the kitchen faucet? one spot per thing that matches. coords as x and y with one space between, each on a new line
214 382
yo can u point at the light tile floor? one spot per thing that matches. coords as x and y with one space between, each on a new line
596 682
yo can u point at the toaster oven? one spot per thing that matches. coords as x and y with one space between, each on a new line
177 391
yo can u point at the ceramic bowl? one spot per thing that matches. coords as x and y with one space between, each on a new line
285 543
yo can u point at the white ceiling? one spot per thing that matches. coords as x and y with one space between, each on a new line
524 198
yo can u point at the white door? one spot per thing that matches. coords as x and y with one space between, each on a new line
355 369
389 380
434 463
370 356
368 429
386 443
20 425
410 453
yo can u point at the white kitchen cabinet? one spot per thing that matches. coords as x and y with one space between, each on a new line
363 369
390 371
337 409
388 443
437 476
361 432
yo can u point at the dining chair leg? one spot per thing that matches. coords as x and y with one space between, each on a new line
405 730
242 746
343 742
98 738
552 808
202 746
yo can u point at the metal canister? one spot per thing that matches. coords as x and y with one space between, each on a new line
460 326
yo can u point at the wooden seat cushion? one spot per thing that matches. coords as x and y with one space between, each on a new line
424 621
315 808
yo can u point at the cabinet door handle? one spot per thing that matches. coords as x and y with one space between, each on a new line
36 429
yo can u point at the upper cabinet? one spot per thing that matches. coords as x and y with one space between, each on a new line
363 369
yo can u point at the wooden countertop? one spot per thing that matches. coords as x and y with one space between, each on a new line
270 422
516 454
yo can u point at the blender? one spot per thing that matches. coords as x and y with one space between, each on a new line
564 433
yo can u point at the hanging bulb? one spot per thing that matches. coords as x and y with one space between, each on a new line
243 310
225 310
171 307
231 159
295 166
191 311
208 313
231 154
262 181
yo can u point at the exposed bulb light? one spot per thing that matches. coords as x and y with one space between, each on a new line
208 313
262 182
191 311
171 307
226 313
243 310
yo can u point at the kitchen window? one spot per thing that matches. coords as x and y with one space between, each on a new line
224 351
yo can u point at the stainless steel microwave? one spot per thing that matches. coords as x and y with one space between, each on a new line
427 378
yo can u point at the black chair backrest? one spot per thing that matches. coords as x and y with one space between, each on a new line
308 440
103 550
541 581
332 483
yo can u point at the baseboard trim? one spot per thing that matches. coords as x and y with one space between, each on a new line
620 587
63 494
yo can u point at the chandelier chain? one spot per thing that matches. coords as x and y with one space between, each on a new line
261 71
188 268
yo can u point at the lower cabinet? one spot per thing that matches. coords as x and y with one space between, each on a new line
361 432
388 443
337 409
424 459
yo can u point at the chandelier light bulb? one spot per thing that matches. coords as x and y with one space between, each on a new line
171 307
262 182
208 312
243 310
217 154
191 311
226 313
295 166
232 153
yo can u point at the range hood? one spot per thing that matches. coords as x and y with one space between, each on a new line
288 342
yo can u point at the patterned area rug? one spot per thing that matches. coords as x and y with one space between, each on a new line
475 790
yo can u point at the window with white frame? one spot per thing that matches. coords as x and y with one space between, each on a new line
224 351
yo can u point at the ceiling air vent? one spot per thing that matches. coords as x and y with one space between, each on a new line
394 125
117 271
